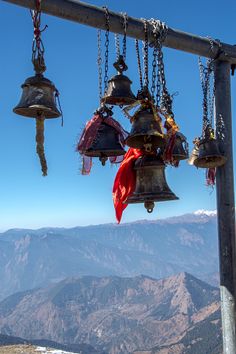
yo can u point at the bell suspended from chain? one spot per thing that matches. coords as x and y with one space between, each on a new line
38 98
102 137
180 150
39 94
151 185
119 87
209 155
146 132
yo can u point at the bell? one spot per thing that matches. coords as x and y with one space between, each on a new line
194 155
38 98
119 87
209 154
180 150
151 185
106 144
145 132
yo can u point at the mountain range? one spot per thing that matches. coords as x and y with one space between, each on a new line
114 315
36 258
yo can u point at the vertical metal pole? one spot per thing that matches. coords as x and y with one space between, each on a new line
226 209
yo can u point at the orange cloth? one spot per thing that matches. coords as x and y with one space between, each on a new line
125 181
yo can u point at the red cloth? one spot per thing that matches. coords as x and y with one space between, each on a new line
125 181
211 176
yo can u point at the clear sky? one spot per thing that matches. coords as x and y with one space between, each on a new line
65 198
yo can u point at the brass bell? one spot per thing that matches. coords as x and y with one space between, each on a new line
209 154
106 144
146 131
38 98
151 185
194 155
119 87
180 150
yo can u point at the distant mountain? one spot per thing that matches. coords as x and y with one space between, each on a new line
35 258
119 315
15 342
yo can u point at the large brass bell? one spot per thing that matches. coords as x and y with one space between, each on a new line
38 98
146 131
180 150
151 185
209 155
119 87
106 144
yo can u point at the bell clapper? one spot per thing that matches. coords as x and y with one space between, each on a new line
103 160
149 206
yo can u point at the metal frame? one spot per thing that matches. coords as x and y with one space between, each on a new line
75 10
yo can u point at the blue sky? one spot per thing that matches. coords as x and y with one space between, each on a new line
65 198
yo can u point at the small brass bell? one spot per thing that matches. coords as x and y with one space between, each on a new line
209 155
106 144
38 98
119 87
151 185
194 155
146 131
180 150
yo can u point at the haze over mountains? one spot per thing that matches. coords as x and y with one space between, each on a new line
120 315
34 258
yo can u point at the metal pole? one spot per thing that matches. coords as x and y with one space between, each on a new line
75 10
226 209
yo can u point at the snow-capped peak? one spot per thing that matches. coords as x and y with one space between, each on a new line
205 212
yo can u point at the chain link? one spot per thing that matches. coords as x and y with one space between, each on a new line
99 63
139 64
117 45
145 53
208 90
107 18
125 25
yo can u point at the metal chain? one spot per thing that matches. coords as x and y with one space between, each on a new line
125 25
139 64
37 45
117 45
145 53
159 30
107 18
99 63
208 94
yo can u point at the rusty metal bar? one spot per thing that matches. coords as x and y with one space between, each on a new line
77 11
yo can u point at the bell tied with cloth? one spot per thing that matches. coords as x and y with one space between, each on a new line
102 137
140 179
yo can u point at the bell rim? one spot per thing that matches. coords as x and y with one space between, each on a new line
200 162
31 112
104 153
118 101
142 198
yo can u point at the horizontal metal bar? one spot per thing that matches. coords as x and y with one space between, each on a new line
77 11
